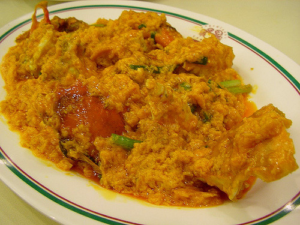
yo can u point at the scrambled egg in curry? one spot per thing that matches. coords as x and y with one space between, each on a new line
142 110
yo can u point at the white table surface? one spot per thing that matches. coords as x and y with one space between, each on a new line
277 22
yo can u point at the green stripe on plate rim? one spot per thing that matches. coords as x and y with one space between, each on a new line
267 57
131 7
13 28
281 213
50 196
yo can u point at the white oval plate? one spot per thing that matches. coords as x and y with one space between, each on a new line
71 199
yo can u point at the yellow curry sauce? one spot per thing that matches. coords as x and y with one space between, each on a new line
72 86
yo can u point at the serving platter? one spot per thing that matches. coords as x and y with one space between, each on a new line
71 199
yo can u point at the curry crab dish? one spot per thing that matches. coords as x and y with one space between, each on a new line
143 111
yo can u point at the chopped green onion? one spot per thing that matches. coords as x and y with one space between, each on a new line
230 83
235 87
153 36
141 26
202 61
207 117
240 89
209 83
124 142
186 86
135 67
154 69
98 25
158 69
